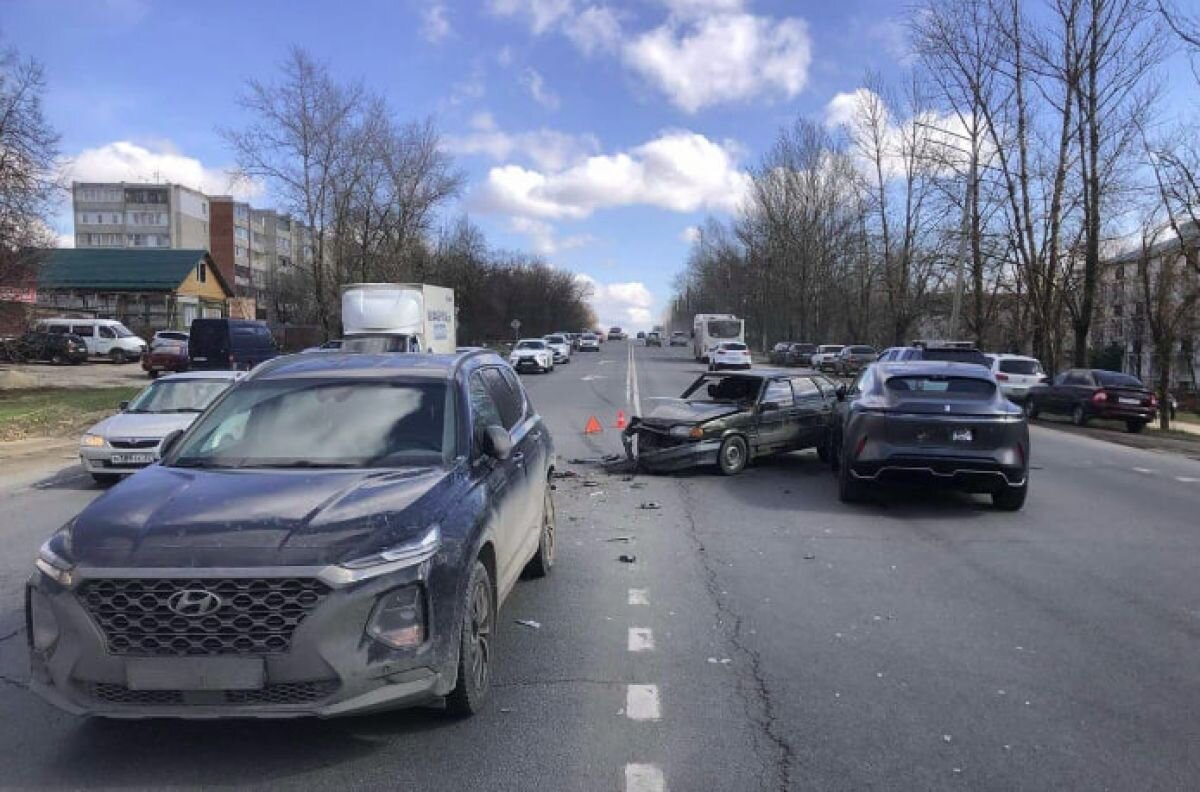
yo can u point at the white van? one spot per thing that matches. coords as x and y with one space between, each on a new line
106 338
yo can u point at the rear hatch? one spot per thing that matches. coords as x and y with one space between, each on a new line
953 413
1018 373
209 342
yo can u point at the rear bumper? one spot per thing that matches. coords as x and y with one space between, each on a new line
1117 412
724 366
972 474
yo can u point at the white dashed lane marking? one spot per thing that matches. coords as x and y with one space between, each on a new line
1187 480
641 639
641 703
644 778
639 597
1143 471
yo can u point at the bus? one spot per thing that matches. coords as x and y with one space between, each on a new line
708 330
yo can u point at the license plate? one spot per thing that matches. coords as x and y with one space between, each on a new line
132 459
1124 400
194 673
962 436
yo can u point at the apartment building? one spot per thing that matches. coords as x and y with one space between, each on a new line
131 215
252 246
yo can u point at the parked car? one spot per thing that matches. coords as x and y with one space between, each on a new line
679 338
616 334
105 338
654 338
930 423
777 355
230 344
730 419
952 352
574 339
336 535
825 357
165 354
532 354
853 359
130 440
641 335
1085 394
799 354
1016 374
588 342
170 335
39 345
332 345
560 347
729 355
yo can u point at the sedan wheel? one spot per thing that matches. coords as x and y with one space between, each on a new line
543 560
475 653
1078 416
1031 409
732 456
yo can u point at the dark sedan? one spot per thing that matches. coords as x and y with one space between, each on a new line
800 354
930 423
334 535
56 348
777 355
1084 394
729 419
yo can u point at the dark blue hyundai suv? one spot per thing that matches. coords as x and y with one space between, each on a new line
333 535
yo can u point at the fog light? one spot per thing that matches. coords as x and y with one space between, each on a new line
43 625
399 618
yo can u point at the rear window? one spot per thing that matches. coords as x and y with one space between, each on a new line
556 339
734 347
1025 367
952 355
84 331
1113 379
941 387
531 345
862 350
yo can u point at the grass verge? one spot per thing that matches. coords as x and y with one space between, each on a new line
56 412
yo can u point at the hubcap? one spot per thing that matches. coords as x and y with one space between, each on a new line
733 455
481 635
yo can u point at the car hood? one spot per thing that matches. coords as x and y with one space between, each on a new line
681 411
142 424
177 517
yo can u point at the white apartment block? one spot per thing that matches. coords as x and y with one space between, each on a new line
125 215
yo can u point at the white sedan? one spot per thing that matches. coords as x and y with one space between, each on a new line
729 355
532 354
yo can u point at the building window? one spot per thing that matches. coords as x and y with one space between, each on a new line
201 272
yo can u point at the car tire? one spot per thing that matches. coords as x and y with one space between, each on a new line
152 374
475 646
105 479
543 560
1031 409
1079 416
117 356
849 489
1133 427
1010 498
733 455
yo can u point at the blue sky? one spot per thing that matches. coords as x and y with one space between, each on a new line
593 131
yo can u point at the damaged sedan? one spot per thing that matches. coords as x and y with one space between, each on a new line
729 419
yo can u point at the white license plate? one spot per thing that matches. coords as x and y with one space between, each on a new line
1124 400
962 436
132 459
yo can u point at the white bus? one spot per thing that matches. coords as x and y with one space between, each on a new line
708 330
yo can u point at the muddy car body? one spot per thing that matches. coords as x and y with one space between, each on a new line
729 419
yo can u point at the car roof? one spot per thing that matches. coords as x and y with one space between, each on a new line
386 365
943 368
203 375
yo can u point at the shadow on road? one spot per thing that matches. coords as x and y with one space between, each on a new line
71 478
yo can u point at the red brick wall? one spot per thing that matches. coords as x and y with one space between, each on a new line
220 233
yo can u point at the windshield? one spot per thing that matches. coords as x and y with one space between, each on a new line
556 340
174 396
587 337
732 347
724 328
322 423
531 345
719 389
122 331
1018 366
830 348
941 387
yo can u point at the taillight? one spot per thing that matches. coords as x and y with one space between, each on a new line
1099 397
1153 400
231 360
858 449
1002 377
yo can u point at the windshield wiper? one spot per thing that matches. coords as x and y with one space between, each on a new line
300 463
200 462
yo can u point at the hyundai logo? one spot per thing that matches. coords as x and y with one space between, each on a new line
194 602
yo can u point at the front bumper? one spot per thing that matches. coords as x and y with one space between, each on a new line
329 669
526 364
659 452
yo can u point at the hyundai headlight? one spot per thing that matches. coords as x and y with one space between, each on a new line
54 557
393 559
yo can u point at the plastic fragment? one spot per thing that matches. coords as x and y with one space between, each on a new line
650 506
627 559
529 623
809 556
946 738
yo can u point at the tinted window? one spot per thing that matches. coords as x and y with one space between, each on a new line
941 387
956 355
1025 367
726 328
803 349
106 332
86 331
57 329
1113 379
780 392
805 388
734 347
862 350
506 401
1078 378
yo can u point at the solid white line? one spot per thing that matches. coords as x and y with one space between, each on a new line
641 703
644 778
1187 480
641 639
639 597
1144 471
637 394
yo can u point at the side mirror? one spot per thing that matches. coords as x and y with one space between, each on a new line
768 406
840 393
123 406
169 442
496 443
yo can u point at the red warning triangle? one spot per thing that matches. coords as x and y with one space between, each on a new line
593 426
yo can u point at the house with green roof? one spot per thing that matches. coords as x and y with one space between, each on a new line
145 288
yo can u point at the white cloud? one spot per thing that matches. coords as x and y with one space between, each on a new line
691 8
595 29
680 171
545 239
161 161
546 149
621 304
723 58
505 56
541 15
537 89
690 235
435 26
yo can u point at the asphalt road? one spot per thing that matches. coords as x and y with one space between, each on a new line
766 637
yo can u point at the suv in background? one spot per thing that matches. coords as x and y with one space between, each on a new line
778 353
616 334
948 353
853 359
1016 374
799 354
825 358
678 338
654 338
56 348
229 344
